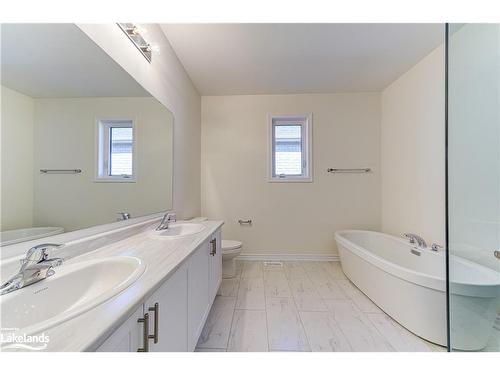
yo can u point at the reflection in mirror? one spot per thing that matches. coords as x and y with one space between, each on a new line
81 141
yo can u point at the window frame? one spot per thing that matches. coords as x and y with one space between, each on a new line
103 149
305 120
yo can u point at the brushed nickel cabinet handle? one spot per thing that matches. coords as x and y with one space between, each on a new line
214 247
156 310
145 333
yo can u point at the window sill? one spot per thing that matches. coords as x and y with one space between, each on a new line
118 180
290 179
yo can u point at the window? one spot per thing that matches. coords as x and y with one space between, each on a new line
290 145
115 151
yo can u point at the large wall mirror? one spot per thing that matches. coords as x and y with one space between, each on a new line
81 140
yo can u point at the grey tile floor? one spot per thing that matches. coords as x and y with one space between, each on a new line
300 306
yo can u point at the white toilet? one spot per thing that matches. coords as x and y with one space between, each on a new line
230 250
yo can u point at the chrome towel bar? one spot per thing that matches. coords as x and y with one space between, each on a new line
61 171
349 170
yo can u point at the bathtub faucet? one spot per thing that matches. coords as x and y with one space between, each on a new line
415 238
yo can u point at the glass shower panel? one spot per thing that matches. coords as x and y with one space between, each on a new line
474 186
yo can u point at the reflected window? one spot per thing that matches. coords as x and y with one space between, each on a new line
115 148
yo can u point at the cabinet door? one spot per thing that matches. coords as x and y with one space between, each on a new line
128 337
198 292
215 265
167 309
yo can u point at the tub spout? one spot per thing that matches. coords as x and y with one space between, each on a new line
415 238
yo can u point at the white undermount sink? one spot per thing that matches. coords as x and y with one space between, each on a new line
179 230
71 291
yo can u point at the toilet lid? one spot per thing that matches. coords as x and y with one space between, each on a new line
230 245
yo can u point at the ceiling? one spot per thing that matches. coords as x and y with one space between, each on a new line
58 61
229 59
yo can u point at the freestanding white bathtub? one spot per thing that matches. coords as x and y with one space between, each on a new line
409 284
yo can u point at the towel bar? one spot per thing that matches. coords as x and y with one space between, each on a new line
349 170
61 171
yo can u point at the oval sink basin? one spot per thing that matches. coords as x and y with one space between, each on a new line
179 230
71 291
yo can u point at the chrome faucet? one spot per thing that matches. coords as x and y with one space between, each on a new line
167 218
123 216
35 266
415 238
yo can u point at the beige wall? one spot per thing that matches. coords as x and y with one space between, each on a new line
65 134
292 218
166 79
413 151
17 159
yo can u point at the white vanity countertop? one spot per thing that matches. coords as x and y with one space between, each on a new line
161 256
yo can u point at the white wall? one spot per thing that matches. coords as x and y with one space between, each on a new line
166 79
413 151
17 113
291 218
65 134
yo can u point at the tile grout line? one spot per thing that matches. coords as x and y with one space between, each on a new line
265 310
234 311
298 314
265 306
291 297
332 314
362 313
378 330
323 300
339 326
330 274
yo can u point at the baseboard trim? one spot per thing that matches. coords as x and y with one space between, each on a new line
291 257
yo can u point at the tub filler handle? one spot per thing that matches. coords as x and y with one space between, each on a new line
436 247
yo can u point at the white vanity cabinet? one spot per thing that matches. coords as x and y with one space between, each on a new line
128 337
198 292
204 278
172 318
159 325
168 309
215 264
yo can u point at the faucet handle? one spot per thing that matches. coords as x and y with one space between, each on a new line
409 236
436 247
171 216
123 216
40 252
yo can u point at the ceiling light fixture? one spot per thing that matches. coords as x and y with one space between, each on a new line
135 34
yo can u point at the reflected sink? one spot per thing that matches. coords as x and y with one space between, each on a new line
71 291
179 230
